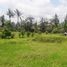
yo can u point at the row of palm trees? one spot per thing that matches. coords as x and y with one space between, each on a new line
27 23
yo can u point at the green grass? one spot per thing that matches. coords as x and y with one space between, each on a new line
26 52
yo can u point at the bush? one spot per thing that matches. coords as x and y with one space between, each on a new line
32 34
58 30
46 32
39 32
28 34
55 30
21 34
12 35
7 34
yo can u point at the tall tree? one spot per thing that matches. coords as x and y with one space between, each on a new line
18 13
56 20
43 25
65 24
35 27
10 13
2 19
29 24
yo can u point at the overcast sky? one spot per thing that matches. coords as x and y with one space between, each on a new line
37 8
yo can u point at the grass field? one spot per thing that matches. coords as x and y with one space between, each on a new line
39 51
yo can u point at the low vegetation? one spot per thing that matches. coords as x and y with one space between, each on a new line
50 38
26 52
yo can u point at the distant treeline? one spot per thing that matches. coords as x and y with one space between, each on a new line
29 25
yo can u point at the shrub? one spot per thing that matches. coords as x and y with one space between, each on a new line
39 32
55 30
28 34
46 32
7 34
21 34
32 34
12 35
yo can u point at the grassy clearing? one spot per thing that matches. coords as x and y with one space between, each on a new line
50 38
25 52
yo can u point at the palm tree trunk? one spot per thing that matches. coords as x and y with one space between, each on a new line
10 19
17 19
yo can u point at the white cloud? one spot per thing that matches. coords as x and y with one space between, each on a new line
3 1
37 7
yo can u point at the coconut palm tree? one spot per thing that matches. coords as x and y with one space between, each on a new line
56 20
18 13
10 13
